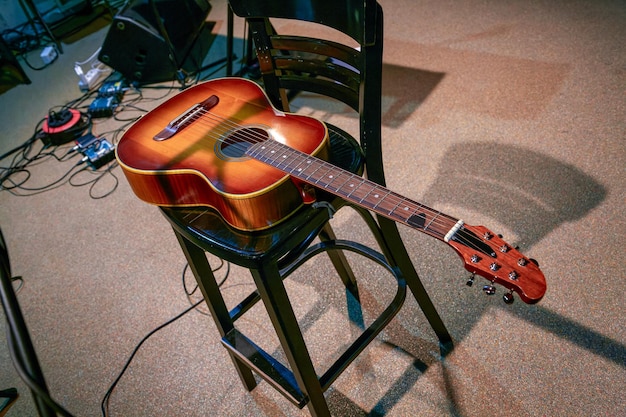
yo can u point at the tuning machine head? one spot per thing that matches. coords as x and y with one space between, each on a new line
470 280
489 289
508 297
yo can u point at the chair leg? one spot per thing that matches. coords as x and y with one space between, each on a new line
207 283
402 259
340 262
274 296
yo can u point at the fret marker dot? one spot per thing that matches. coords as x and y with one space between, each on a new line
376 195
284 156
330 176
406 209
351 185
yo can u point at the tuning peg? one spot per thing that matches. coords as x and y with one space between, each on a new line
489 289
534 261
470 280
508 297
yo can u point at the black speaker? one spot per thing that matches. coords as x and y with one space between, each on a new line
149 40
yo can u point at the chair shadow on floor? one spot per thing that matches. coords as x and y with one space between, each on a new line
530 194
527 193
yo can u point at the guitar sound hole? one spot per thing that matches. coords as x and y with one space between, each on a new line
237 142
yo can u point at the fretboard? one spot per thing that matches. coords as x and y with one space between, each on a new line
354 188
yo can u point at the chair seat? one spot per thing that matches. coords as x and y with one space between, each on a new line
291 63
205 227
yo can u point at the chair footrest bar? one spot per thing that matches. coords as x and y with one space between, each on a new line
268 368
366 337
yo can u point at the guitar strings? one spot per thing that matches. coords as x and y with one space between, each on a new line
225 126
251 137
220 127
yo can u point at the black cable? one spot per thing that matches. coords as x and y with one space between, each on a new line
20 280
25 57
219 284
93 182
18 148
107 396
30 191
24 44
16 174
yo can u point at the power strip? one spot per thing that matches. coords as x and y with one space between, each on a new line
89 80
97 72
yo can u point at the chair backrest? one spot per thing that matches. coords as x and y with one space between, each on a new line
351 74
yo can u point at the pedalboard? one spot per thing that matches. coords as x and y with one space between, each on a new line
113 89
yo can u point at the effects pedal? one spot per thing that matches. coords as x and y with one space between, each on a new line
110 94
113 89
103 106
99 153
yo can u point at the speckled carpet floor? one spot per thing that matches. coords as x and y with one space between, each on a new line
510 114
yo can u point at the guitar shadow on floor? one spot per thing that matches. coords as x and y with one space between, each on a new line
525 192
529 194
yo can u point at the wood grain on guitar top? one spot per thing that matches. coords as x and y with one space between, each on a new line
192 168
221 144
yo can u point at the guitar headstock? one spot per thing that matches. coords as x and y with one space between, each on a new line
488 255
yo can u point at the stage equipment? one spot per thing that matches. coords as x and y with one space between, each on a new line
149 40
63 126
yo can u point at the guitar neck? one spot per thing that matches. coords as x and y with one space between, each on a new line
356 189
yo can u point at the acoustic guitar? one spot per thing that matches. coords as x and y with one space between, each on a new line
223 145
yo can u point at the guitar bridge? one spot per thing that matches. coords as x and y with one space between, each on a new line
186 118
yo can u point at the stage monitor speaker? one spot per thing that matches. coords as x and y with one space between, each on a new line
149 40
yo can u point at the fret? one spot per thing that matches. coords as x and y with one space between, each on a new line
398 204
360 191
372 198
337 179
381 199
431 221
301 168
289 160
350 186
277 153
418 212
403 210
321 175
317 166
